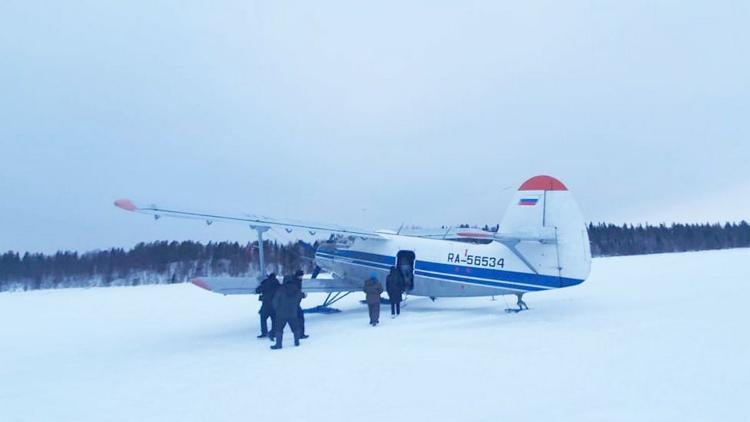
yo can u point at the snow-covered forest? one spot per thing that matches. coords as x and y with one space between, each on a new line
147 263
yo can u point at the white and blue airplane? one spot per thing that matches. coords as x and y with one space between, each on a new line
541 244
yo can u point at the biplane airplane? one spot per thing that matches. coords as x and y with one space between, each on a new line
541 244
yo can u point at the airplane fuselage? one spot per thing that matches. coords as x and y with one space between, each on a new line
443 268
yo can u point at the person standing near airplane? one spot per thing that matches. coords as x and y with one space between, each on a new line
285 302
394 285
266 290
407 274
300 313
372 290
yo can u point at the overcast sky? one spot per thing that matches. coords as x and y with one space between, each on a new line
365 113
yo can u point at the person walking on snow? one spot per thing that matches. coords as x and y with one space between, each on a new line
266 290
394 285
297 279
285 302
372 290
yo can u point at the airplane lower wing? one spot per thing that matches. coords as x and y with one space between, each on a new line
247 285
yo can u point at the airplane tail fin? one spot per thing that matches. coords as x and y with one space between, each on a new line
544 210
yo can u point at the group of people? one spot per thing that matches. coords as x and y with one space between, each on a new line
395 285
282 304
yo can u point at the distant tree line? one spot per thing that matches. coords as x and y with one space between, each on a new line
177 262
610 240
148 263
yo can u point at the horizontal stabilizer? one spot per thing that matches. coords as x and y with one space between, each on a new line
539 234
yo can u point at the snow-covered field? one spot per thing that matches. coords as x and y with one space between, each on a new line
649 338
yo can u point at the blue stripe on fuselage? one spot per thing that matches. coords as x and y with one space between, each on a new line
490 274
479 282
487 276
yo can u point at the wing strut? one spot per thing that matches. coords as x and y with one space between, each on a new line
261 256
326 308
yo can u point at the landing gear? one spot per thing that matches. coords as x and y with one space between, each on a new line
326 308
521 305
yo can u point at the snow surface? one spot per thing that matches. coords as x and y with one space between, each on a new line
648 338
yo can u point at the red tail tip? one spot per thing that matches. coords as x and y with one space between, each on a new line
542 183
126 204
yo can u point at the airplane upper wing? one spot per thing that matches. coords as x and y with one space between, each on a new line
259 222
254 221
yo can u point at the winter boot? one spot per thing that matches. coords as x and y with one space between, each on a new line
278 342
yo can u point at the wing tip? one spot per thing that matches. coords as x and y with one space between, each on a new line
200 283
126 204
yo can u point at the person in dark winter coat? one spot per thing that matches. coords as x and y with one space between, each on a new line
266 290
394 285
407 274
297 279
285 302
372 290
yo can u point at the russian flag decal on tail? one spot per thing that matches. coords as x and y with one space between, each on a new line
528 201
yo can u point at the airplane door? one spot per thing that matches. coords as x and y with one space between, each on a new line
405 264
